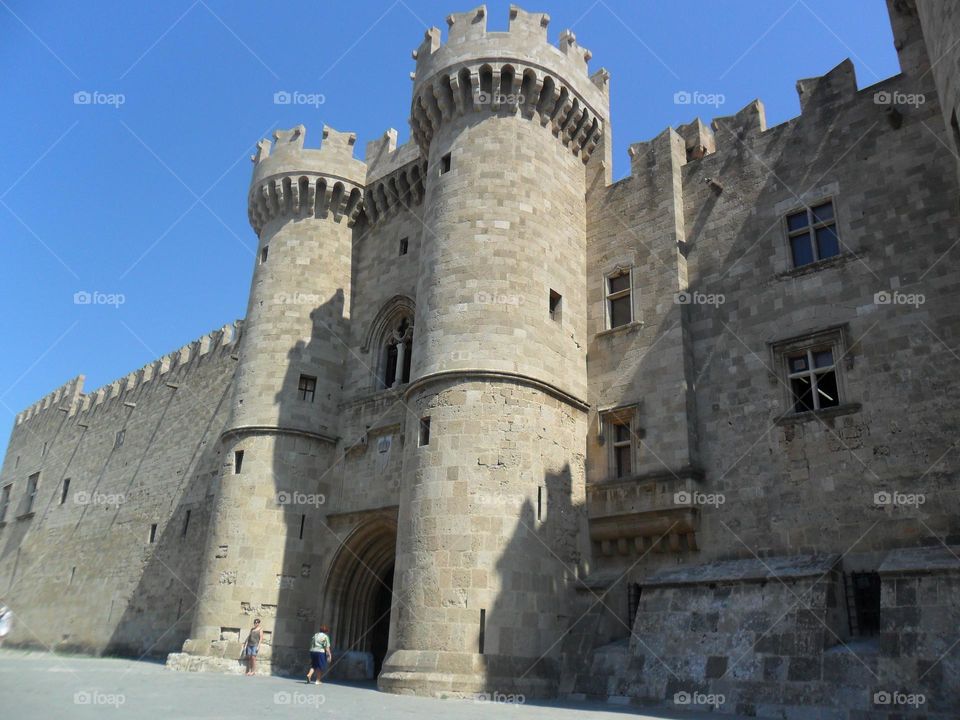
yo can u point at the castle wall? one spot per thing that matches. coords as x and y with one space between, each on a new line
83 574
940 21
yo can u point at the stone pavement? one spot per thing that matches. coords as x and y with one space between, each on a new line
38 686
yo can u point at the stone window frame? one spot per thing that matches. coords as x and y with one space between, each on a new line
381 334
783 252
813 224
610 419
307 388
30 496
836 338
618 271
6 493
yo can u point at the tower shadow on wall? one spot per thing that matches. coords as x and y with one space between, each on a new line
156 617
303 472
546 537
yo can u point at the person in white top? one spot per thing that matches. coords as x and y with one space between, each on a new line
320 653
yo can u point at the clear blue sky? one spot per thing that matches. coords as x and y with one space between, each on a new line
148 198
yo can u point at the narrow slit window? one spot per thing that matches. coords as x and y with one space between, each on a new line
118 440
264 251
446 162
404 245
186 524
556 301
540 502
303 522
483 628
424 431
152 537
73 574
955 127
307 388
65 491
237 462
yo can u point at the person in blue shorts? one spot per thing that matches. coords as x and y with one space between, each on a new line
320 654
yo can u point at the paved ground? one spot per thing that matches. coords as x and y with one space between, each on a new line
38 686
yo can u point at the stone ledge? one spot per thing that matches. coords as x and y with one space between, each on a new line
746 570
921 560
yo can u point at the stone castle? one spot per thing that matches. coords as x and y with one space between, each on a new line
509 426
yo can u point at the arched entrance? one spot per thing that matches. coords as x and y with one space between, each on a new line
358 597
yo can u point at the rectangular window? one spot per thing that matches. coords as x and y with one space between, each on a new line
540 502
619 299
863 603
307 388
619 434
5 501
813 379
65 491
622 450
446 162
404 245
237 461
424 431
32 482
633 603
812 233
186 524
152 538
118 441
264 251
555 303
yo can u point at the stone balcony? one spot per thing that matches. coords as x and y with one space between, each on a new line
637 514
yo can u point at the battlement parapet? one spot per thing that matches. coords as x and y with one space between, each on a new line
290 180
818 95
513 71
395 176
71 399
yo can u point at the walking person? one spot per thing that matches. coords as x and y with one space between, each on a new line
6 622
320 654
252 647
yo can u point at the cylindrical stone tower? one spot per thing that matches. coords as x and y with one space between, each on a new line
282 431
492 520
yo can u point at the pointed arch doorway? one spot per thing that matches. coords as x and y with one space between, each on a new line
358 597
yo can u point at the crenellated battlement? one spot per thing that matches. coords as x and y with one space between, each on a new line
818 95
290 180
395 176
71 399
513 71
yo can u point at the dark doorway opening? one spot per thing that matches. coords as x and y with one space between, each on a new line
380 635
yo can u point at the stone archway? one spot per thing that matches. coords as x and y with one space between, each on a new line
358 597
